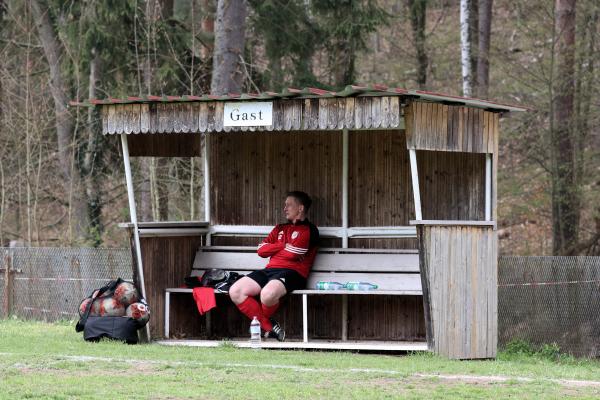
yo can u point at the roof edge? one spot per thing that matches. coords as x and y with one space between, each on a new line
310 92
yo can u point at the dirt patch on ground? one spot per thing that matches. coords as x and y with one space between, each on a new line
508 379
132 369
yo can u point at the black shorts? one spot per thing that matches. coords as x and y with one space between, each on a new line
291 279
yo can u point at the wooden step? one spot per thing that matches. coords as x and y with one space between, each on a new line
313 344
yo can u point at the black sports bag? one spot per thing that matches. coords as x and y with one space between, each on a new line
97 327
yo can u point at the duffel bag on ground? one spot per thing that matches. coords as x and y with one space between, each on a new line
118 328
115 311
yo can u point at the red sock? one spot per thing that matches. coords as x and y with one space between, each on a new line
251 308
268 311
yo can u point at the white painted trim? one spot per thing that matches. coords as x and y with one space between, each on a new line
488 187
415 183
261 230
290 344
305 318
165 224
344 317
345 158
156 232
382 232
132 212
206 185
453 222
167 312
306 292
325 231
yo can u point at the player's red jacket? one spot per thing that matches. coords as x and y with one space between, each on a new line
292 246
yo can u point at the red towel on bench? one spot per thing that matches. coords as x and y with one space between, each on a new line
205 299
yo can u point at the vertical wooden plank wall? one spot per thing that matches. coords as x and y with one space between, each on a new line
166 260
379 190
441 127
452 185
251 173
459 266
165 145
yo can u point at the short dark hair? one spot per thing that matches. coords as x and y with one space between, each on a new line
302 198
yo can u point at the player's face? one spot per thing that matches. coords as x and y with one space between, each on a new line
292 209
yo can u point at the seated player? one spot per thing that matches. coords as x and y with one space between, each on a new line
292 248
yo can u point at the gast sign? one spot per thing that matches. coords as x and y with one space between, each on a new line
248 114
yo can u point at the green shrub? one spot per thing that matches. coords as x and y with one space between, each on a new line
519 347
546 351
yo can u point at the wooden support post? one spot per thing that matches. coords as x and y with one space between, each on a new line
207 185
8 284
345 157
133 214
208 324
488 187
344 317
415 184
304 318
167 313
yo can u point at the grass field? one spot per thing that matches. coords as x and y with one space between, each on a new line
40 360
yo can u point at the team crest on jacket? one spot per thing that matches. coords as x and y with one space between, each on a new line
280 235
295 234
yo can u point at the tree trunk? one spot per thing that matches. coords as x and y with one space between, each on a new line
2 11
565 193
90 160
208 27
2 125
64 120
483 53
418 20
155 195
344 64
342 60
584 90
230 31
466 46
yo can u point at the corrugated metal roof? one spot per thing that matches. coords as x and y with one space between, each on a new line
292 93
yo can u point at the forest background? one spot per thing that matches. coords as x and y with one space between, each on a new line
62 183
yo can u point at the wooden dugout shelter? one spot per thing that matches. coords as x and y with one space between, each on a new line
386 167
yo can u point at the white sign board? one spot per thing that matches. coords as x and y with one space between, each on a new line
248 114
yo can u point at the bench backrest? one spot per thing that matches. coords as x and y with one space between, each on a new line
389 269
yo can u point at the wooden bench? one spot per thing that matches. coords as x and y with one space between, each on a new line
395 272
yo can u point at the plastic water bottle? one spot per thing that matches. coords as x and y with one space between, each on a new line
322 285
255 334
360 286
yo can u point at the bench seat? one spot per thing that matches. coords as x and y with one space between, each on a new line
396 272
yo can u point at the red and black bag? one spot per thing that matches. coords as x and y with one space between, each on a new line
121 327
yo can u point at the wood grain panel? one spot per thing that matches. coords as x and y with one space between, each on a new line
165 145
379 190
460 289
252 172
452 185
288 115
385 318
435 126
167 261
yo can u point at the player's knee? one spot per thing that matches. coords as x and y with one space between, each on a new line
269 296
236 293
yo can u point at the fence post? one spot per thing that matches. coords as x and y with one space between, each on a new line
8 278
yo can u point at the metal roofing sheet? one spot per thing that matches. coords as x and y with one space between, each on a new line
349 91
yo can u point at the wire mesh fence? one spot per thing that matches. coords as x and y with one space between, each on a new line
547 300
49 283
540 299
